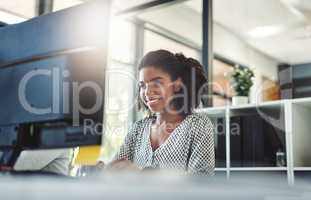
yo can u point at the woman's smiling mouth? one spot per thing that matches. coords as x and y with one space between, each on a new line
153 101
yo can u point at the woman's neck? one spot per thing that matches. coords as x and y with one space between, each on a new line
168 118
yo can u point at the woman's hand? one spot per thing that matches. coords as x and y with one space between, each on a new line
122 164
100 165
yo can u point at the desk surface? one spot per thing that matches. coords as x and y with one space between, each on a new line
146 186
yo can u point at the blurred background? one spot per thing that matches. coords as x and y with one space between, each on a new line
272 38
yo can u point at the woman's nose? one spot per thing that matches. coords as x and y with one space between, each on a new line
148 90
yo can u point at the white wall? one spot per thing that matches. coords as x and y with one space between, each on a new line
230 46
186 22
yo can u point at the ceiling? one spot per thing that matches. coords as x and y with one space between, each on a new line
125 4
179 19
16 11
280 29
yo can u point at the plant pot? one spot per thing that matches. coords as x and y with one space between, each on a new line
239 100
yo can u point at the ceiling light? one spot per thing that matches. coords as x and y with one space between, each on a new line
265 31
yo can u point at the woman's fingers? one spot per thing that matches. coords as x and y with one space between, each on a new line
123 165
100 165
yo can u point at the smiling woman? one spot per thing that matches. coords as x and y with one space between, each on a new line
172 136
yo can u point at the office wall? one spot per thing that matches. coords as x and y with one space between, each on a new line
232 47
187 23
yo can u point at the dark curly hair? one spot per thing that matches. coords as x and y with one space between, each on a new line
177 66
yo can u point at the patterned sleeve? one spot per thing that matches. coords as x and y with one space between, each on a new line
126 151
202 155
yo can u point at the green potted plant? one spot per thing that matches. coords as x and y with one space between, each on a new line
241 82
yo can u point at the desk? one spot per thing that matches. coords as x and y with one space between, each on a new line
146 186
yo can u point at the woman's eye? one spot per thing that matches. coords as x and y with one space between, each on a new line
157 82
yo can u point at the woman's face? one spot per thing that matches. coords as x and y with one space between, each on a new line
156 89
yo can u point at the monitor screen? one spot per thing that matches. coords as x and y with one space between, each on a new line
52 78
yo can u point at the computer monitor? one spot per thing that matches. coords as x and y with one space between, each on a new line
52 80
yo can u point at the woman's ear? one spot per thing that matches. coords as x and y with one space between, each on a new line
177 85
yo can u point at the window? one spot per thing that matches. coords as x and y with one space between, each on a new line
61 4
120 97
17 11
122 40
176 27
155 41
222 91
118 107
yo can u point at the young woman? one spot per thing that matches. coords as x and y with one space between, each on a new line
172 136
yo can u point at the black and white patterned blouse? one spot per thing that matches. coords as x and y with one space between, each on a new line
190 147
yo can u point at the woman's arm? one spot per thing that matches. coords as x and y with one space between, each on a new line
202 155
126 150
125 154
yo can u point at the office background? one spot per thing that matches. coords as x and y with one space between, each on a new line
270 37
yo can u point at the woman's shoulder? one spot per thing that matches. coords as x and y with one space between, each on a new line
200 122
200 118
140 124
143 121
